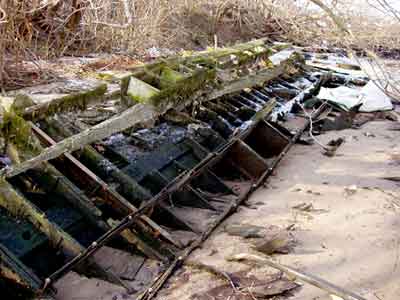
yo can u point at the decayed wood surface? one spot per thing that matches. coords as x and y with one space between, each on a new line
118 202
137 115
65 104
249 81
19 205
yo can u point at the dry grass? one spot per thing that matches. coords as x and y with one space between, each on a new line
76 27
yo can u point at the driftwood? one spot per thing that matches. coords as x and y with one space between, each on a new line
310 279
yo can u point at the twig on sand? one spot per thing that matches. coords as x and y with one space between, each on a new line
310 279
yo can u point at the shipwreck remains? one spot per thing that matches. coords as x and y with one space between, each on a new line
123 179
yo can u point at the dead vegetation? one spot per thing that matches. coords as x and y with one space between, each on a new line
34 30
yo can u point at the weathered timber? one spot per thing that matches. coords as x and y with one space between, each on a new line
53 180
147 83
256 48
162 197
19 207
138 115
118 202
78 101
83 203
251 80
200 80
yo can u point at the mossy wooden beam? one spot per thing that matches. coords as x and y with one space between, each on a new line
73 102
237 56
137 115
152 88
53 180
259 78
258 47
50 177
142 114
20 207
117 201
131 190
183 90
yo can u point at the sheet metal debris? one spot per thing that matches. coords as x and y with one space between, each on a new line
371 98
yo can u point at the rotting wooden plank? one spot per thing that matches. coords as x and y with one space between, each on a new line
119 202
65 104
52 179
16 204
140 114
259 78
122 205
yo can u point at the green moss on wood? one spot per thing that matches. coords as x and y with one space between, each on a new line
169 77
16 130
183 89
73 102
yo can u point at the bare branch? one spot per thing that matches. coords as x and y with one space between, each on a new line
3 18
128 15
